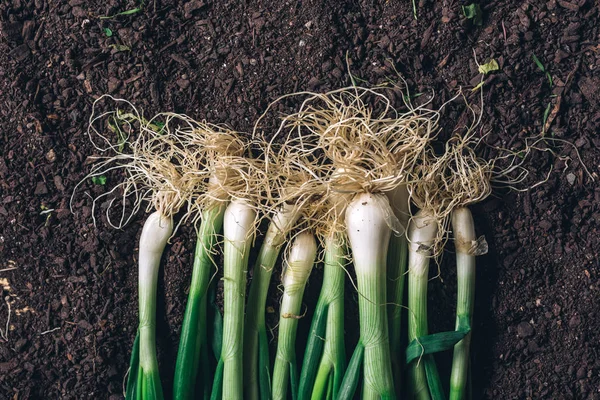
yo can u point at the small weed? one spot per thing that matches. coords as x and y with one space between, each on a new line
99 180
108 32
128 12
542 68
473 12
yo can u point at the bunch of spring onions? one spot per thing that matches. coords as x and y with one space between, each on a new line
347 171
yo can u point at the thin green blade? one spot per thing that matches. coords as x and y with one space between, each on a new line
217 390
433 379
314 351
353 372
264 373
134 363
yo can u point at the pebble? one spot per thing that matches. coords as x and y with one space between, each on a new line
183 83
574 321
40 189
571 178
524 329
192 6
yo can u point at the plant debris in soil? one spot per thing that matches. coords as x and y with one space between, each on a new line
70 286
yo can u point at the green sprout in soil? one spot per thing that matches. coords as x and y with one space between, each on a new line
127 12
473 12
542 68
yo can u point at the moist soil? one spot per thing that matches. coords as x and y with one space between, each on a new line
69 286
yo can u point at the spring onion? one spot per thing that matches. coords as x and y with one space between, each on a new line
144 383
396 264
256 346
325 359
238 231
298 265
193 336
464 237
422 232
368 227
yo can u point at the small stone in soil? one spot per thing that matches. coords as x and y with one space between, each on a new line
40 189
524 329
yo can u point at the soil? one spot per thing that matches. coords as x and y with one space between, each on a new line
70 286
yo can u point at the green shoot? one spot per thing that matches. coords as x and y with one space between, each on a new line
127 12
99 180
542 68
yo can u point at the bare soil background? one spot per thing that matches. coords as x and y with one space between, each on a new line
71 286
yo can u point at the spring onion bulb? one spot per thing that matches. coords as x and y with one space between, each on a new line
193 332
368 227
421 235
396 270
299 264
145 382
256 346
238 231
464 237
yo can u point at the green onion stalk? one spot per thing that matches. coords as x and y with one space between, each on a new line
256 345
421 235
324 362
192 381
396 271
298 266
238 230
368 228
464 238
144 378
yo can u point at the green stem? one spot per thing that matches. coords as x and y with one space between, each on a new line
417 325
378 381
422 232
325 359
256 349
298 267
238 228
397 257
464 232
193 331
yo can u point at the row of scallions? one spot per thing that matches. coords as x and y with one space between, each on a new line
343 171
293 194
442 188
157 171
371 151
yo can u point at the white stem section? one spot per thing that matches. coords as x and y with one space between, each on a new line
238 230
399 201
281 224
367 224
368 232
155 234
300 261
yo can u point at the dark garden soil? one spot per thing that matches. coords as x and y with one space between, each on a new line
71 287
